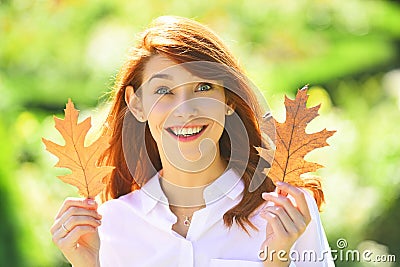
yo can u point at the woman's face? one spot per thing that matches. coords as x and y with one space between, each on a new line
185 113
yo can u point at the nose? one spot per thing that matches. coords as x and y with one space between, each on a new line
185 106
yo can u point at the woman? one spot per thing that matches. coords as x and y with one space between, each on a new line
184 124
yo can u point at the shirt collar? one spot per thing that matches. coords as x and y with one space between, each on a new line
229 184
152 194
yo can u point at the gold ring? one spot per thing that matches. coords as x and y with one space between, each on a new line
64 228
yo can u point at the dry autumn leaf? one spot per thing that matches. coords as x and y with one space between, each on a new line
292 143
81 160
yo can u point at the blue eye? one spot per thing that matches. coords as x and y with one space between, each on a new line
204 87
163 90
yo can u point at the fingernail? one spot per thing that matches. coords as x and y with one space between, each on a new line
279 183
91 201
264 195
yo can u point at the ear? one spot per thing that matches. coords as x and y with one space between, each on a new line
134 104
230 108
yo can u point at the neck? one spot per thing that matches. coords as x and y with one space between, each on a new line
185 188
201 178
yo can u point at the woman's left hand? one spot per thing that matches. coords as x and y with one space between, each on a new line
286 222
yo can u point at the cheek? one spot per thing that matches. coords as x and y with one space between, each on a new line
153 104
156 112
219 107
156 109
216 112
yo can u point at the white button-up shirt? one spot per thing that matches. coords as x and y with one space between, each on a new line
137 230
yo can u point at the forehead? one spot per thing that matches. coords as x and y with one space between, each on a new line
159 64
173 71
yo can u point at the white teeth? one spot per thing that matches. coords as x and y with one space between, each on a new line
186 131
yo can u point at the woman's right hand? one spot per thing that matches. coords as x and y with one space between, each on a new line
75 231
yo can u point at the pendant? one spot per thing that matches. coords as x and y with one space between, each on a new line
186 222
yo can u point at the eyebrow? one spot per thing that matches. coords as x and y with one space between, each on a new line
160 76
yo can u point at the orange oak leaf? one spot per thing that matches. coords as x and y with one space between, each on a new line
81 160
292 143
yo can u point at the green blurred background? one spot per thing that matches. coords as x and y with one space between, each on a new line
348 51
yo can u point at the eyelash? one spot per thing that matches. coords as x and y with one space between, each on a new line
163 87
210 86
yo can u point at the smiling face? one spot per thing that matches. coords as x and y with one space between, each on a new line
185 113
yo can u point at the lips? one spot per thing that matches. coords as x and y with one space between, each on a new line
186 133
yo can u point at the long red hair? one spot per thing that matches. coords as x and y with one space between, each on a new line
183 40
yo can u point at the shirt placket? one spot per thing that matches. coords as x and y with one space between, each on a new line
186 257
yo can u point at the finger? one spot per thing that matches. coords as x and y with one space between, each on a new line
298 196
275 223
280 192
77 211
75 221
74 211
290 209
70 240
76 202
71 224
287 222
58 234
